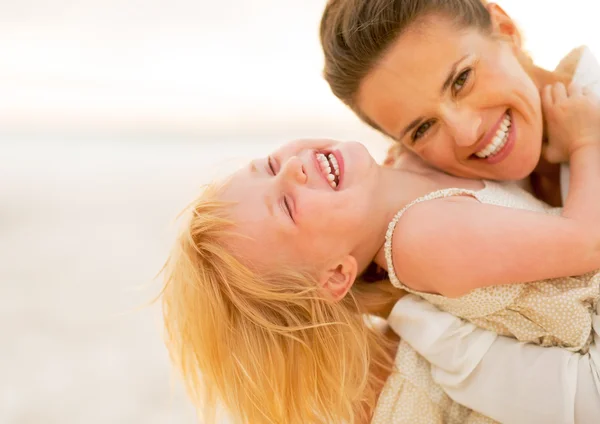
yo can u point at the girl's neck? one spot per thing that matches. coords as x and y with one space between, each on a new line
402 186
399 187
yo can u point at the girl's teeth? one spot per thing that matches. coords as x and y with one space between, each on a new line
330 168
334 162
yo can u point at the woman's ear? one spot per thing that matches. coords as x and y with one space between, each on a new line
503 25
338 279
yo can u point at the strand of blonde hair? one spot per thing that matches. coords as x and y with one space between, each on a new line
270 348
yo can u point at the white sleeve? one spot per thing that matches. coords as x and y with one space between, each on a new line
506 380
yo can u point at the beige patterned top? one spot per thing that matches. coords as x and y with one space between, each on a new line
556 312
410 396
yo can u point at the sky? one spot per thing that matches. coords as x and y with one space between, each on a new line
199 66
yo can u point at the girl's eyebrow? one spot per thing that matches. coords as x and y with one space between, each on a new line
252 166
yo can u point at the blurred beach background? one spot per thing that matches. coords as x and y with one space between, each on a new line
113 113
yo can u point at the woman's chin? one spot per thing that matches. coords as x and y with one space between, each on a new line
526 163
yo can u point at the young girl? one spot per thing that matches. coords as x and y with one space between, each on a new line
261 304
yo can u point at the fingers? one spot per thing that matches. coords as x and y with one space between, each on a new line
547 98
559 92
575 90
553 94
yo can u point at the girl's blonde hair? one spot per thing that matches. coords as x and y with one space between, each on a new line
270 348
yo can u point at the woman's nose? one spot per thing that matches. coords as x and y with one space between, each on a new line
464 125
293 171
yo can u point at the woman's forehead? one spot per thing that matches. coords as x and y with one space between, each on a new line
412 73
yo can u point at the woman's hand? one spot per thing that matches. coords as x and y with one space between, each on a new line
572 118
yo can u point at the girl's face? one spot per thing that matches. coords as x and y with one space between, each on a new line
459 99
305 205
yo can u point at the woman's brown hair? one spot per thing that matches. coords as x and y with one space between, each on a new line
356 34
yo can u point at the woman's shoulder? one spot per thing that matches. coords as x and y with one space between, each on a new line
568 64
581 66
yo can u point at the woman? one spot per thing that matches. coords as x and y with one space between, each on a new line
431 74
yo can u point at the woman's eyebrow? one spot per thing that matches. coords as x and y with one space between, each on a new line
410 126
451 75
447 83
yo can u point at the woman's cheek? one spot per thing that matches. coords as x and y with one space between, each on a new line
437 154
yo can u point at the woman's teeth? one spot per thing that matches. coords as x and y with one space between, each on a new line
498 141
330 168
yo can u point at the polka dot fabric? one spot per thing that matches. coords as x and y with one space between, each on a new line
555 312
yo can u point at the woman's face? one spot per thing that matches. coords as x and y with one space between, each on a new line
292 208
459 99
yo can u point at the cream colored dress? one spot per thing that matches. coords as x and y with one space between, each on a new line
555 312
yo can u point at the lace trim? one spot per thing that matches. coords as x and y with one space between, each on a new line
387 247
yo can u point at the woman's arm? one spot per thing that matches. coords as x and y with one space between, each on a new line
497 376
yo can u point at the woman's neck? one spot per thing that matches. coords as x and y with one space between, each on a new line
545 179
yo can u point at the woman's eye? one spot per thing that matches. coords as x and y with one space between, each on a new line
420 132
461 80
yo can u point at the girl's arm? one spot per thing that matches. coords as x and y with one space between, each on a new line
454 245
504 379
573 124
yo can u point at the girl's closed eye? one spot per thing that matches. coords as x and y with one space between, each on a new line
270 166
286 202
